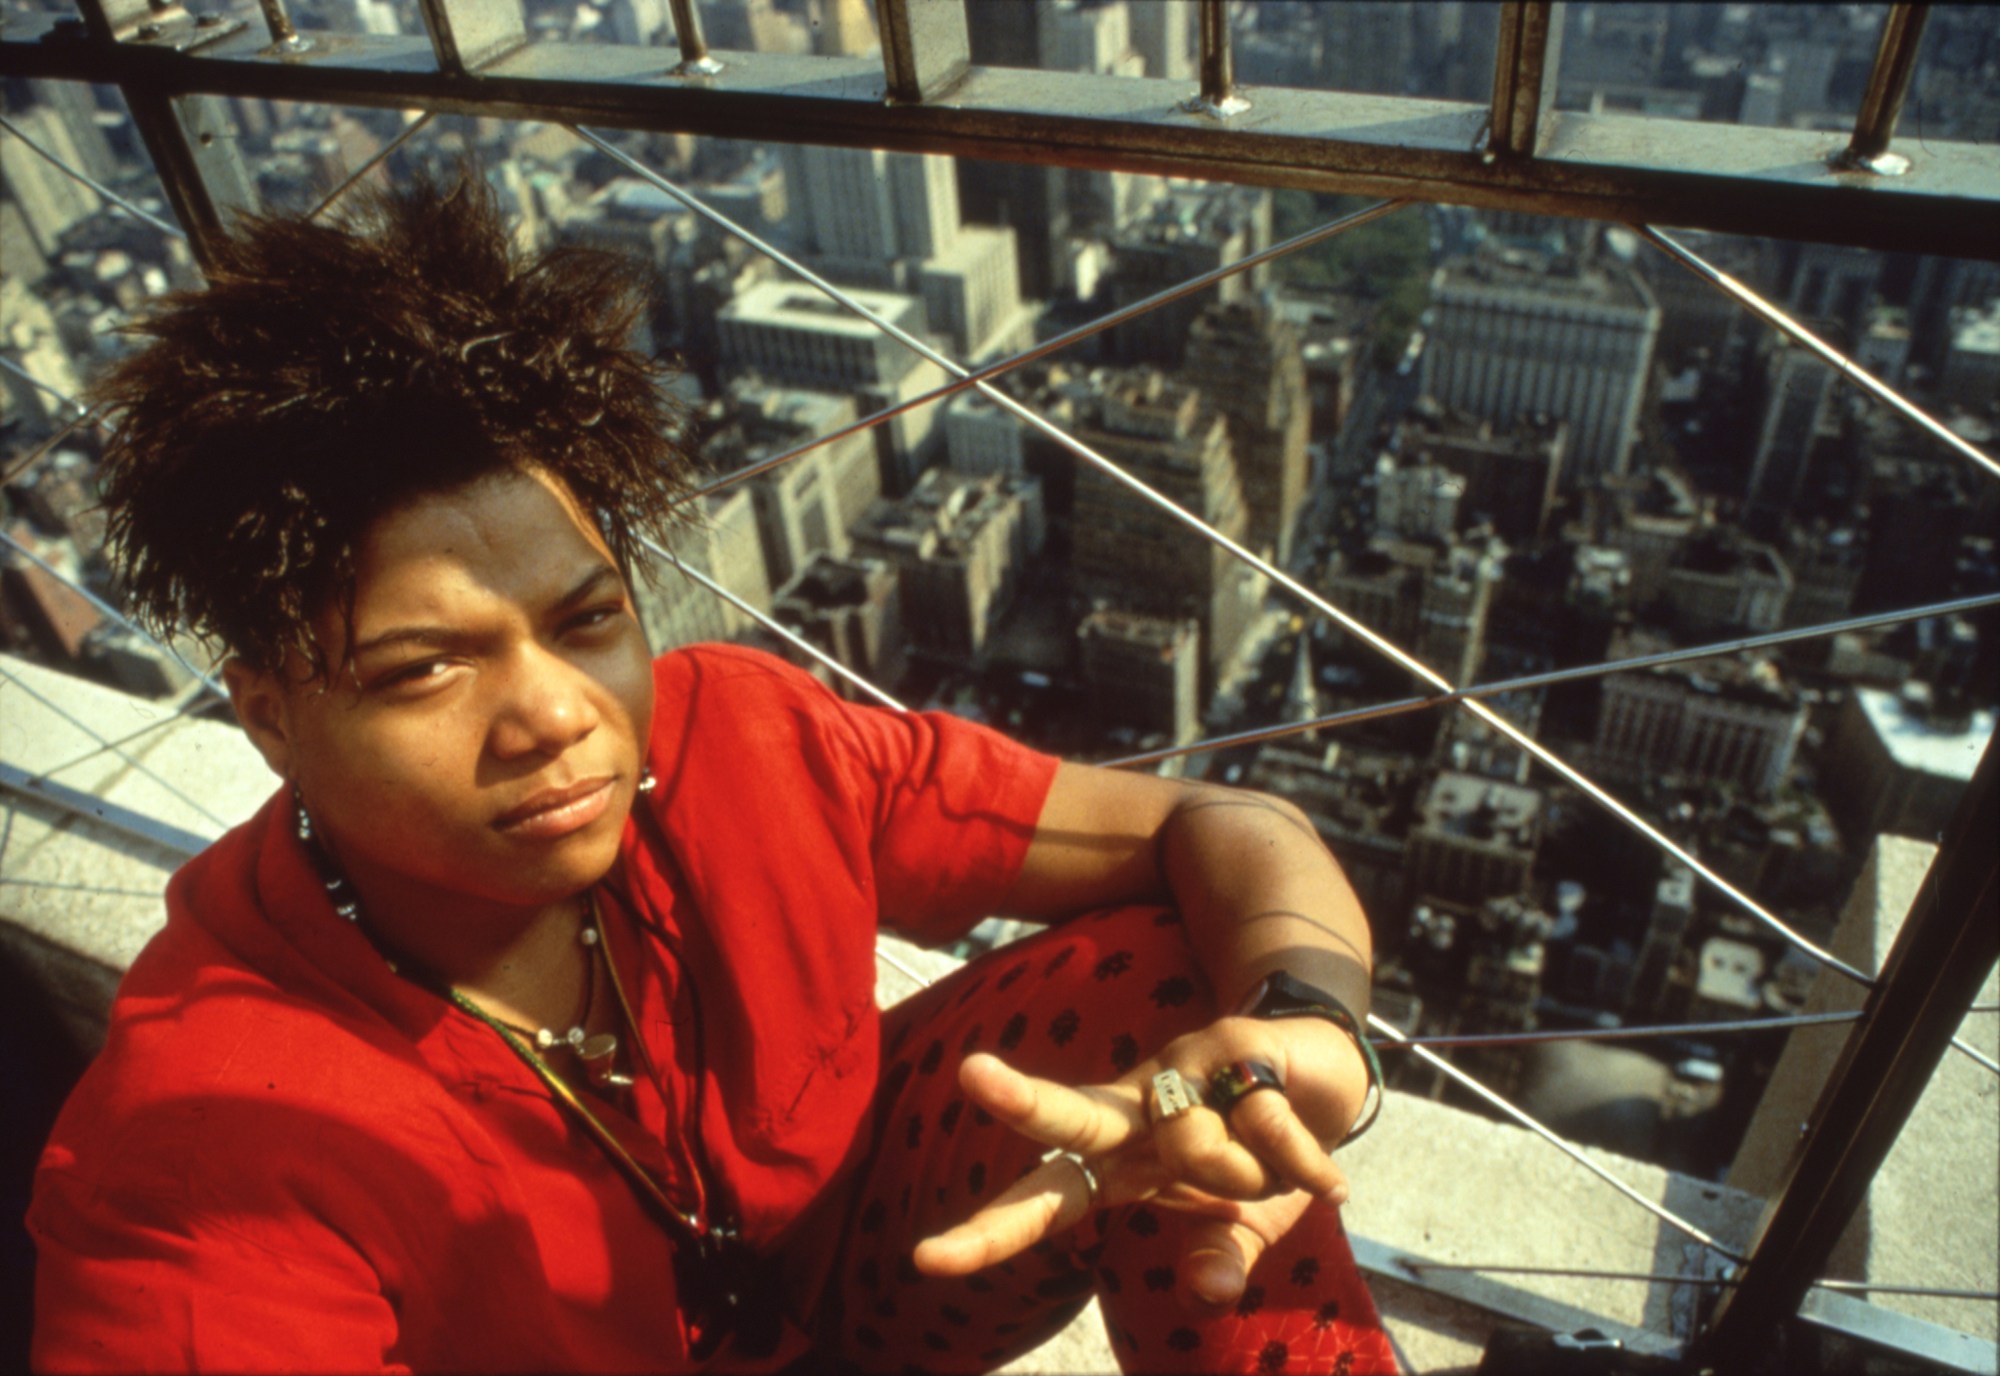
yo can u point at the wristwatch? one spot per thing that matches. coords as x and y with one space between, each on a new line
1279 995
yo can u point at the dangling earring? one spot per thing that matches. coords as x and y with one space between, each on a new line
299 811
647 783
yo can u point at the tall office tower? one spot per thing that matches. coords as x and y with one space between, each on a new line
807 505
1797 390
960 544
1431 597
51 200
981 437
1831 283
1093 38
1144 672
1736 722
1475 839
1971 373
757 26
852 609
1128 552
1507 475
1368 45
1666 928
1516 332
863 208
28 331
1033 201
675 609
636 22
792 334
75 104
972 295
1163 33
845 29
1187 232
1249 362
1004 33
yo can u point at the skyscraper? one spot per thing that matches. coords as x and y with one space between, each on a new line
1249 362
1518 332
1130 554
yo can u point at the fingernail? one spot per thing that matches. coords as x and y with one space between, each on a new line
1337 1196
1217 1280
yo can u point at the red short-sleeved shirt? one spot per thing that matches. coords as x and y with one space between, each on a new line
289 1157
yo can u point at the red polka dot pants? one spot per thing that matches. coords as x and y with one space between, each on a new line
1081 1003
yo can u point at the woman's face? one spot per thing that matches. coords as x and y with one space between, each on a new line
482 738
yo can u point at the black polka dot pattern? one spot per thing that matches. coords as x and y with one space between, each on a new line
1062 1027
1081 1004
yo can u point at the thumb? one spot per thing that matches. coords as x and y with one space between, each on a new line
1218 1255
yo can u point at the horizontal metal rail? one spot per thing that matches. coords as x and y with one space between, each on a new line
1668 1278
1745 180
173 230
1525 682
1617 1034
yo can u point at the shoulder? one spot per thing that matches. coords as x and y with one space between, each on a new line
724 674
215 1078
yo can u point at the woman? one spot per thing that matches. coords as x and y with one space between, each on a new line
531 1025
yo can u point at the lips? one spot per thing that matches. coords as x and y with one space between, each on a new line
558 811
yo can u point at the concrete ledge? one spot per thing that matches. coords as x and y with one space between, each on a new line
79 899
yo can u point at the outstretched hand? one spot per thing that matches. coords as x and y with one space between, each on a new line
1250 1175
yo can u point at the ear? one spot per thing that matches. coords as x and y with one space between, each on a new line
263 708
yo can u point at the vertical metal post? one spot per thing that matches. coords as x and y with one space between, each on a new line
1935 968
1888 84
925 47
695 59
1218 98
466 34
283 35
1524 77
191 139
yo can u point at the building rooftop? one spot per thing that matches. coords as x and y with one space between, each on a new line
1921 742
801 308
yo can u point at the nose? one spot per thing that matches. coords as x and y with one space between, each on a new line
545 706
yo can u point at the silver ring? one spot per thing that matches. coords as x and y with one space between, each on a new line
1089 1175
1173 1095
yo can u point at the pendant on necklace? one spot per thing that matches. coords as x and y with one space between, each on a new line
599 1055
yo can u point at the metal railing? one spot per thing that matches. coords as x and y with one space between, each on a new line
921 60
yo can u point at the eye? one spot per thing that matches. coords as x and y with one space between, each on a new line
595 617
412 673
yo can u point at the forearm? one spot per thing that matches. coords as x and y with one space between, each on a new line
1259 893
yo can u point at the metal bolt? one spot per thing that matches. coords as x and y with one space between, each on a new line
149 31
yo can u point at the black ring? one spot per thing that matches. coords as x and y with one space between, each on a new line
1238 1080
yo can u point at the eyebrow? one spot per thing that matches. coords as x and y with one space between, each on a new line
585 588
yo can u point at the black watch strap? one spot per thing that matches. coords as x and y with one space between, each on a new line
1280 995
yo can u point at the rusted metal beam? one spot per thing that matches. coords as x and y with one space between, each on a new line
1775 182
1524 76
926 49
467 34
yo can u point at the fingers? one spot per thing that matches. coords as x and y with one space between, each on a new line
1268 1126
1052 1197
1219 1251
1092 1120
1197 1146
